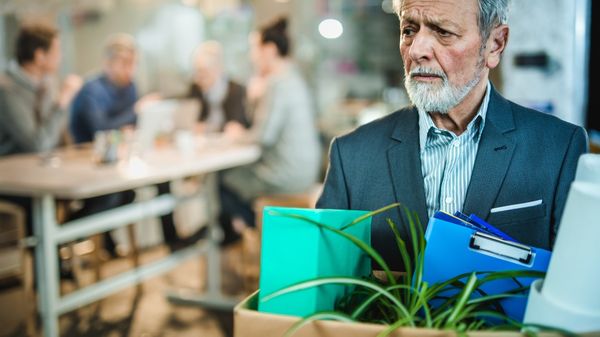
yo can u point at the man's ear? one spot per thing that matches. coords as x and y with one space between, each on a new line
495 45
39 56
271 49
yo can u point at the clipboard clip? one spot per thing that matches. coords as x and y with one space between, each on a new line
497 246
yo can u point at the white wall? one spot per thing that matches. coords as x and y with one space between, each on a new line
3 56
550 26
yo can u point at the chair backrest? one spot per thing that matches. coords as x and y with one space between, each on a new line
12 232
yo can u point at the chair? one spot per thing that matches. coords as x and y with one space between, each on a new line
15 258
92 246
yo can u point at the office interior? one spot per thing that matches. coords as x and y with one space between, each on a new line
347 52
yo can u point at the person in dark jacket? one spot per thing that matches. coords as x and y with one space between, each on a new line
222 100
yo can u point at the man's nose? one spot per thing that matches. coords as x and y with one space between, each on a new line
421 48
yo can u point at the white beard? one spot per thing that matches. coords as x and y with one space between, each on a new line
434 97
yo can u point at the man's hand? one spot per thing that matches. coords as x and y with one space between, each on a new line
234 130
257 85
145 101
69 88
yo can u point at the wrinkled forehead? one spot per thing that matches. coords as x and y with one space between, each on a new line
453 12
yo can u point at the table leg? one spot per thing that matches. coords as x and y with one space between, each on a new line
46 263
213 298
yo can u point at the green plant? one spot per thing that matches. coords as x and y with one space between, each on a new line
460 303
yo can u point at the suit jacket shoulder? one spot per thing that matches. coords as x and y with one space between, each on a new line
380 130
531 119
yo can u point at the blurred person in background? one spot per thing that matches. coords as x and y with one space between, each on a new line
283 125
33 111
221 99
110 101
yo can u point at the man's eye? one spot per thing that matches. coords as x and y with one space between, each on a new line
443 33
408 31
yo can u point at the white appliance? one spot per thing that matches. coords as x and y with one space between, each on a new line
569 296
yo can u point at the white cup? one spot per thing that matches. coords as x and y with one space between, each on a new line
185 142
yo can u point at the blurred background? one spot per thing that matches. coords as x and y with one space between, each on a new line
348 53
352 64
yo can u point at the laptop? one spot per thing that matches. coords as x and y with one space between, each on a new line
185 116
165 117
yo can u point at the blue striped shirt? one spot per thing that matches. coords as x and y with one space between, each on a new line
447 160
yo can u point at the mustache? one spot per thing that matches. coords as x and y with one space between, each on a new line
424 71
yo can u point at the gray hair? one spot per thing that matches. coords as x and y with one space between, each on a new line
210 50
491 14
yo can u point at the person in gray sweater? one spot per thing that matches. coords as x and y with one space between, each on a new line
33 112
283 124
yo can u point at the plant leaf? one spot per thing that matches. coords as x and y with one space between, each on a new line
340 280
403 254
398 324
370 214
464 297
324 315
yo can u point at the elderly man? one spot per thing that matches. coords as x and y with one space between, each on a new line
222 100
462 146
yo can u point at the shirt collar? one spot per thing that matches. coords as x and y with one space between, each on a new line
426 123
111 87
217 92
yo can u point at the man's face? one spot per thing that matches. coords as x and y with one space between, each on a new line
441 48
259 56
206 72
121 68
49 60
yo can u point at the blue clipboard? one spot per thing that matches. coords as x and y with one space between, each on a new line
456 247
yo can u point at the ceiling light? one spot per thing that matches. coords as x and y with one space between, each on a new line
331 28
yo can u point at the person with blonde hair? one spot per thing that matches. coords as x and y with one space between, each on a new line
222 100
110 101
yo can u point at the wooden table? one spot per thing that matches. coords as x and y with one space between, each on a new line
71 174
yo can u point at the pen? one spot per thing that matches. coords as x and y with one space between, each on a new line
474 219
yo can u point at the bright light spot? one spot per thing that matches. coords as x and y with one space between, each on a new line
388 6
135 167
331 28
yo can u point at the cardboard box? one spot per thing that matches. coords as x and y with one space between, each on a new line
250 323
294 250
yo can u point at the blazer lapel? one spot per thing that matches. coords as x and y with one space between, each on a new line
405 164
494 155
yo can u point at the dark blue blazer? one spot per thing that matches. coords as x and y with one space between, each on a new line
523 156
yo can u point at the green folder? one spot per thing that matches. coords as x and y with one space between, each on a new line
294 250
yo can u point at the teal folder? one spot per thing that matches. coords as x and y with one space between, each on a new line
294 250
